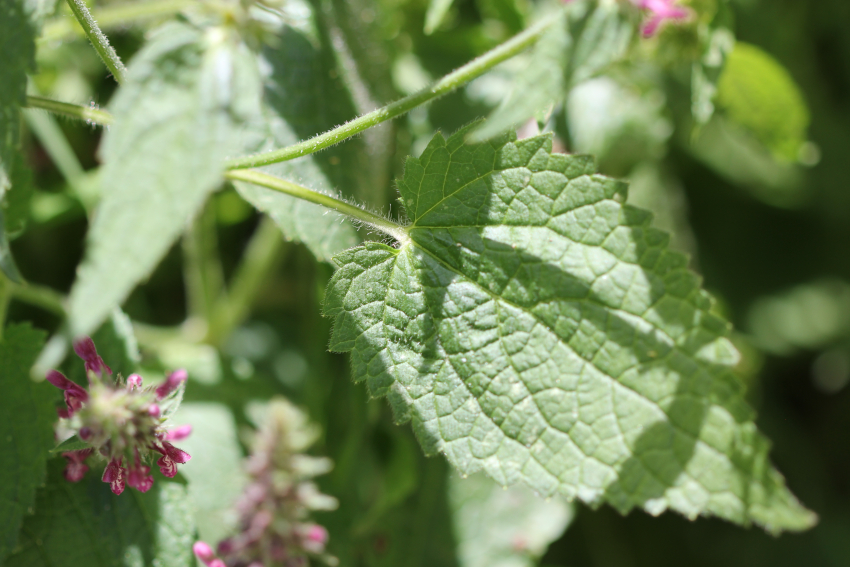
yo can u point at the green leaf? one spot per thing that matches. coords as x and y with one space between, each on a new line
539 329
503 528
180 114
757 93
299 103
17 44
26 430
215 473
71 444
436 13
85 524
586 39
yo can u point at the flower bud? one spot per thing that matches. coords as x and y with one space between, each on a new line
171 383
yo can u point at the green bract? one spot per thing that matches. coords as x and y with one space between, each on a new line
538 328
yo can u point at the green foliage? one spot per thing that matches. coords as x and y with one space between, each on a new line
540 330
85 524
758 94
180 114
503 528
437 10
587 38
302 100
26 430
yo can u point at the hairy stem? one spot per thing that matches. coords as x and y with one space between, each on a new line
450 82
98 40
264 180
78 111
113 16
258 261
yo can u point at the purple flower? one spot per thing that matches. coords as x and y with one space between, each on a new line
179 433
85 350
115 475
121 422
75 395
171 457
661 10
76 468
171 383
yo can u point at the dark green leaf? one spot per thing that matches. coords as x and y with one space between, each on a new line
181 112
539 329
26 430
84 524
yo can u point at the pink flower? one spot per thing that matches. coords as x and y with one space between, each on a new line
205 553
114 475
134 381
661 10
314 538
75 395
85 349
76 468
171 383
171 457
179 433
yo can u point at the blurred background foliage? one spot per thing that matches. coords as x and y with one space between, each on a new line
732 129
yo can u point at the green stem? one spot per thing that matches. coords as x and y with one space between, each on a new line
5 296
114 16
258 261
450 82
202 267
98 40
386 226
39 296
78 111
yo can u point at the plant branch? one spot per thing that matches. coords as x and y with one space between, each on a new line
39 296
98 40
114 16
450 82
78 111
386 226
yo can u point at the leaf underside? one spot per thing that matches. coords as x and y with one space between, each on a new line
538 328
180 114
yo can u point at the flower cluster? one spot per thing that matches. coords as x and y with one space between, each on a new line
274 508
121 422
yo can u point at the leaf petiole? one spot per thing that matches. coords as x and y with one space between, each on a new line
386 226
78 111
98 40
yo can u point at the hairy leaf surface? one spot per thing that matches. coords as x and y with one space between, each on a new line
26 430
85 524
180 114
538 328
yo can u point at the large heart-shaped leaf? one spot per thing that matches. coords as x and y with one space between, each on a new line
536 327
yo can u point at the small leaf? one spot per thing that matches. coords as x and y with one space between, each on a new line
581 44
757 93
539 329
26 430
437 10
85 524
180 114
71 444
503 528
297 106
